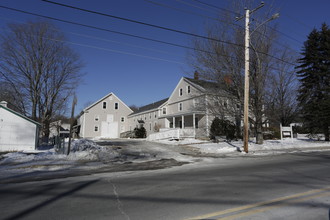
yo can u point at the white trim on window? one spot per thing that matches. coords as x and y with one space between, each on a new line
180 92
104 105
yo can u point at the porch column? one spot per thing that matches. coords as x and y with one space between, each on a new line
194 124
173 122
182 118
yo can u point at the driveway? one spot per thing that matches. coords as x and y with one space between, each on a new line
130 155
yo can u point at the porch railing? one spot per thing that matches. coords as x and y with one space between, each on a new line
174 133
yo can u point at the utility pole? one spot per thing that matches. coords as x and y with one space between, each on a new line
247 69
246 75
246 81
74 102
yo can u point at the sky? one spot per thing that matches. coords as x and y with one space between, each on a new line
141 71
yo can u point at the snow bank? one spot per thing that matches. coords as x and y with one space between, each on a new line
81 150
268 147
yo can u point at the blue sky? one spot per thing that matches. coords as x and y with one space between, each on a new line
140 72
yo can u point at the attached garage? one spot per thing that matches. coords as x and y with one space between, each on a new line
17 132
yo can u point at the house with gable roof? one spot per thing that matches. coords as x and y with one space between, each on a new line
106 118
183 114
17 132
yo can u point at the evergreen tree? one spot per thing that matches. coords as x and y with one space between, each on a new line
314 75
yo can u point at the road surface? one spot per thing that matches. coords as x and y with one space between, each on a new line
294 186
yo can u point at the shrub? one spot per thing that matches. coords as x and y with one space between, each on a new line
221 127
140 132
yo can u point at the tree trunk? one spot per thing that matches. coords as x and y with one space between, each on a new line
258 129
326 132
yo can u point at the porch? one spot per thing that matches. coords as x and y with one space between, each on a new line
181 126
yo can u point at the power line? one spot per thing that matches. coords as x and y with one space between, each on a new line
142 23
131 35
216 7
103 29
157 26
112 50
226 22
103 39
181 10
286 35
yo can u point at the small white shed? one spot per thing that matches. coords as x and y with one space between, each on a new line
17 132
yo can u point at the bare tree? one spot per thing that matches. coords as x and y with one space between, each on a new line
281 95
223 63
14 100
39 65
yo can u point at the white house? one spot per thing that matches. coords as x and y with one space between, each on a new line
183 114
17 132
106 118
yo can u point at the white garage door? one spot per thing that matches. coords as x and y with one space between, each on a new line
109 129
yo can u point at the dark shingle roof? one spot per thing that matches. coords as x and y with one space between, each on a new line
204 84
150 106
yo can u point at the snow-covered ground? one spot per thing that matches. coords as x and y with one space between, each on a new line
88 155
269 147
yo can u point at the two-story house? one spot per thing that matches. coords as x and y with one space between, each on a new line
185 110
106 118
186 113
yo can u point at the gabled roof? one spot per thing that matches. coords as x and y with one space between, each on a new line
20 115
110 94
151 106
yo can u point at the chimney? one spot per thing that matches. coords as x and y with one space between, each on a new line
3 103
196 75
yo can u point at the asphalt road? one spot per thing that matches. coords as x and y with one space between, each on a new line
294 186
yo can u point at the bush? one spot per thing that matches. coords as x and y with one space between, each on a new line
221 127
140 132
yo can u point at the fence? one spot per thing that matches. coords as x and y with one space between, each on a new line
172 134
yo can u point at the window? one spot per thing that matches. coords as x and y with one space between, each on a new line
155 114
164 111
96 128
122 119
150 115
180 92
188 89
96 118
104 105
150 126
180 106
116 105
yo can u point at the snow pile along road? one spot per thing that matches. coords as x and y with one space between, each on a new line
269 147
